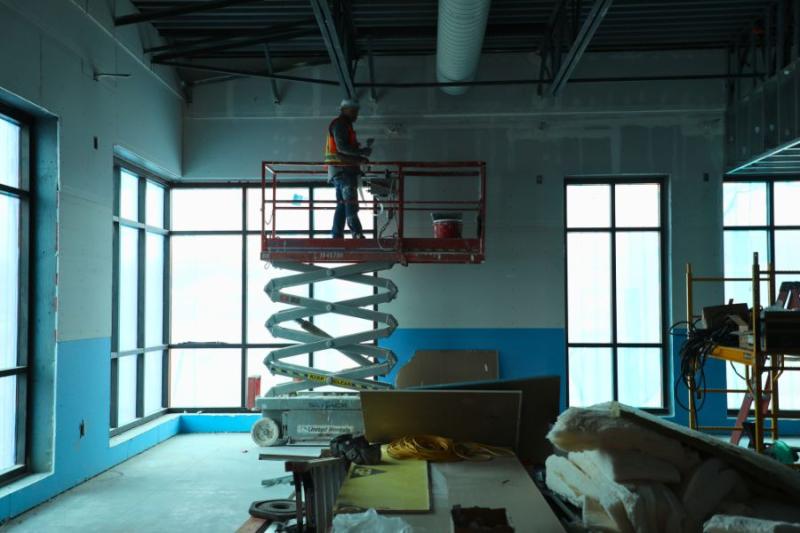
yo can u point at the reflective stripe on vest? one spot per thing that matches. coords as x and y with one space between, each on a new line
331 151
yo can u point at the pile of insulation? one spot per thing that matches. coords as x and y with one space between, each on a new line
630 471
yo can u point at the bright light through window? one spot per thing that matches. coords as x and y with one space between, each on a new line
615 293
213 282
761 216
137 366
14 212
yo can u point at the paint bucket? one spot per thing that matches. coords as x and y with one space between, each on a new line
253 391
447 225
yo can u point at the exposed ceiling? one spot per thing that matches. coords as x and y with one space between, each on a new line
230 35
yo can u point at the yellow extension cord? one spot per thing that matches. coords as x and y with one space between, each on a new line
441 449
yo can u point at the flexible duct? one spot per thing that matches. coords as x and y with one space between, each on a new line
459 41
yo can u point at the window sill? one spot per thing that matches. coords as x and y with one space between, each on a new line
134 432
22 482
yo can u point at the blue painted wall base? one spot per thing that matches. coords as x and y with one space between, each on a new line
523 353
81 365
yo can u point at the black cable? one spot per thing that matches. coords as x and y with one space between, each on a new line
694 353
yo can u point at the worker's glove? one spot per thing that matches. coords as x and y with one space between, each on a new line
366 152
370 142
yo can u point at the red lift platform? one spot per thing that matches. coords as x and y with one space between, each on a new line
402 192
406 200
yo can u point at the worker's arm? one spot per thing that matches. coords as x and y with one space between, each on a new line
354 153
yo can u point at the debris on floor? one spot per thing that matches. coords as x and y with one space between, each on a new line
369 522
480 520
630 471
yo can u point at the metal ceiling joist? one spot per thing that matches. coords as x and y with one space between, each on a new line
333 43
202 40
371 64
276 99
177 11
232 43
579 45
244 73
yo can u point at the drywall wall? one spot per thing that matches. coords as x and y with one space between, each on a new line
516 299
51 51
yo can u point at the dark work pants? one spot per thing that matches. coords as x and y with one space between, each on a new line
346 206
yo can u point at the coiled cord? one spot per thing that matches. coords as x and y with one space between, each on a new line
442 449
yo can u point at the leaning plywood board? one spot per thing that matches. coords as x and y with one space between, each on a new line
393 486
431 367
538 410
766 471
488 417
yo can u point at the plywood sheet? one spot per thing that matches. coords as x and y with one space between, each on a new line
393 486
538 411
488 417
432 367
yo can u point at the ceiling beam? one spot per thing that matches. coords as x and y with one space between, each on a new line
244 73
202 39
579 45
194 7
232 43
333 43
276 99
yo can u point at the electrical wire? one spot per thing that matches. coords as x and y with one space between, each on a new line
442 449
694 353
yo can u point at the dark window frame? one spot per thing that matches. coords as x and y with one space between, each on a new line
770 228
143 177
613 230
24 192
244 232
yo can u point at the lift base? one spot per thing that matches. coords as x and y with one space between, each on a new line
310 416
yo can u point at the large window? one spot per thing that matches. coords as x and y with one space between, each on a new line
14 260
139 351
615 291
218 305
761 215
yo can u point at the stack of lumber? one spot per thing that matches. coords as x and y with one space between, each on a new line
631 471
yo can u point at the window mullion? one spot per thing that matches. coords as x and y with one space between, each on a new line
244 299
141 295
167 299
613 241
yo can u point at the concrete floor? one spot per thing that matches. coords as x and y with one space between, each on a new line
190 483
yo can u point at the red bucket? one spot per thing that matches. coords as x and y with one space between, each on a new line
447 228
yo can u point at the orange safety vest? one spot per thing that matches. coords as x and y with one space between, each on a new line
331 152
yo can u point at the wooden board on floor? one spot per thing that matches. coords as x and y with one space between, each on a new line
253 525
488 417
393 486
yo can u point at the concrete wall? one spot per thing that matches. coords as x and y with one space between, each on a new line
51 50
513 302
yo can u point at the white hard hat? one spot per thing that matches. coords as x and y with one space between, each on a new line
350 103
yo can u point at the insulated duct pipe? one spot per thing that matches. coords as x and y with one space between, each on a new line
459 41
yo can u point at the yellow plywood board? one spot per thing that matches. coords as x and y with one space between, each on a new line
393 486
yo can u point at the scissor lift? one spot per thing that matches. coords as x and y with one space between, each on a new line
404 198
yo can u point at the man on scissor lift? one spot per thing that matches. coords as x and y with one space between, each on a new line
344 156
